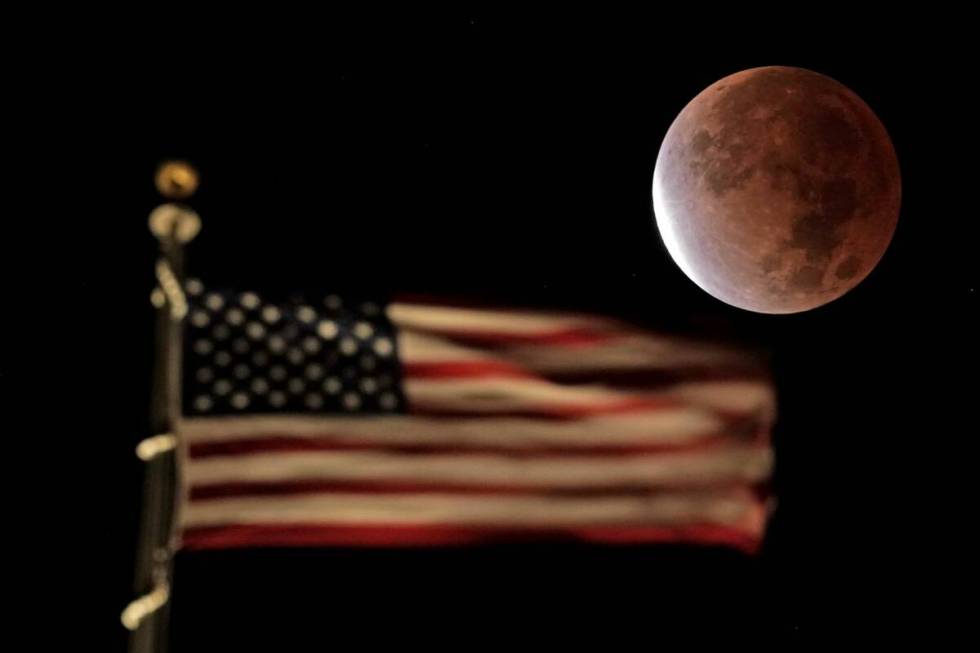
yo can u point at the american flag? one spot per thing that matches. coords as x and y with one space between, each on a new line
319 420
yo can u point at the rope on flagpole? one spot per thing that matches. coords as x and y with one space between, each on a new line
172 292
173 225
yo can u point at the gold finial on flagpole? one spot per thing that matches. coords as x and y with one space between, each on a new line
176 180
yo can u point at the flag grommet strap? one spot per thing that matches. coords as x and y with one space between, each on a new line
154 446
144 606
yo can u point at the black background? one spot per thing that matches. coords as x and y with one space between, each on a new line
511 158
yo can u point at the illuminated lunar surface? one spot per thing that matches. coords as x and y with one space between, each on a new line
776 190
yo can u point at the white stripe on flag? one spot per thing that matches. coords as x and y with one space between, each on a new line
669 426
745 464
724 508
425 317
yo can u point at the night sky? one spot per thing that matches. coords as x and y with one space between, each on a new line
510 159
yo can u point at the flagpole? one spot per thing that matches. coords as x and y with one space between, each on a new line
173 225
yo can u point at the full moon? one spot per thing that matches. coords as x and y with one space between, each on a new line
776 190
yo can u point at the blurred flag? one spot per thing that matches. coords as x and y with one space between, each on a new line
324 421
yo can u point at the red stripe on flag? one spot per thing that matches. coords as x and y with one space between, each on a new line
317 486
570 337
312 535
554 411
648 379
284 444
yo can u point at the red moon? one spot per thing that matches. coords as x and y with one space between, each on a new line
776 190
